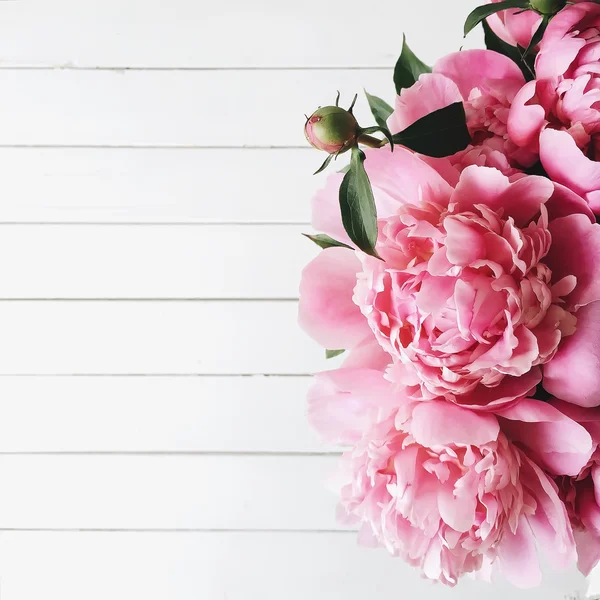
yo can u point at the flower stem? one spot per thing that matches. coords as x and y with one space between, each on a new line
370 141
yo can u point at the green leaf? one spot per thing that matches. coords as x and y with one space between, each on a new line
493 42
536 38
357 205
487 10
324 165
324 241
408 68
333 353
386 132
440 133
380 109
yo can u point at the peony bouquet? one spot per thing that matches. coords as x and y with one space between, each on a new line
460 277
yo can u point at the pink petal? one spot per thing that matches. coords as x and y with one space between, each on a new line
525 119
326 310
509 390
367 355
517 557
479 185
588 550
565 202
343 403
443 423
573 374
473 69
326 216
430 93
566 163
523 198
563 446
575 250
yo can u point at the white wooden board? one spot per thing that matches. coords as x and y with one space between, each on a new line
158 185
267 33
222 338
175 108
232 566
177 492
153 261
156 414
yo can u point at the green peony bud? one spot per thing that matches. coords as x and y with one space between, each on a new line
331 129
548 7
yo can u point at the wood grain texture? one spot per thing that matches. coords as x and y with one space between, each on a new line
156 414
186 338
168 492
175 108
180 33
153 261
157 185
232 566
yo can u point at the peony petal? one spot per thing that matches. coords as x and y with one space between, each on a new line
474 69
575 251
343 403
573 374
523 198
326 310
368 355
479 185
526 119
563 446
565 202
517 557
430 93
443 423
567 164
326 216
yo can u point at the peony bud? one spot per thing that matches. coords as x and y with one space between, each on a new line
331 129
548 7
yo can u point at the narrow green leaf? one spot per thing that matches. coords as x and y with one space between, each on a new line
376 129
324 165
536 38
408 68
440 133
333 353
357 205
324 241
493 42
487 10
380 109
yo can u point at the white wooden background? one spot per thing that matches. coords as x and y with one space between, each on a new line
154 181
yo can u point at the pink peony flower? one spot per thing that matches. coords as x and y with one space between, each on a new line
481 283
441 487
486 82
558 114
515 26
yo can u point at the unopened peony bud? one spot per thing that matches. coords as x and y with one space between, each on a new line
548 7
331 129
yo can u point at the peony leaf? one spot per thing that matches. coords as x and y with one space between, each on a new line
324 165
493 42
408 68
333 353
440 133
357 205
380 109
324 241
536 38
487 10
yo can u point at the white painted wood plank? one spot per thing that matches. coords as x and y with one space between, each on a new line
167 492
224 338
156 414
153 261
157 185
175 108
188 33
232 566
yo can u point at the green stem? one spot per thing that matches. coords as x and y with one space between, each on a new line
370 141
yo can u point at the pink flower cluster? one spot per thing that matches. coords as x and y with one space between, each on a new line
469 397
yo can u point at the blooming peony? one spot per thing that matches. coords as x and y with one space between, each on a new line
558 114
486 82
480 282
438 484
